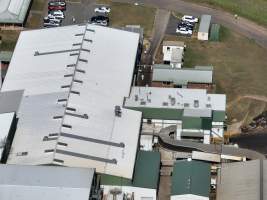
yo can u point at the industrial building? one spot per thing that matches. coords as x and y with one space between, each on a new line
173 52
197 77
144 183
71 108
190 180
21 182
13 12
204 28
243 181
196 113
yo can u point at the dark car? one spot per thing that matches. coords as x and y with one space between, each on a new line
56 7
186 24
100 18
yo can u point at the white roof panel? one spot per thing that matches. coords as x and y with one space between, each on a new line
95 66
176 98
44 182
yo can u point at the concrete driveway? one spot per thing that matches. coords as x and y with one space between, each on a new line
242 25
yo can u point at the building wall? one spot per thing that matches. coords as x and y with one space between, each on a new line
138 193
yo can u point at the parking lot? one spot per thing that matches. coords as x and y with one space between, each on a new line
81 11
77 11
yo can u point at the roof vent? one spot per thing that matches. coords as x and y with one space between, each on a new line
186 105
136 97
196 103
173 101
208 105
117 111
143 103
165 104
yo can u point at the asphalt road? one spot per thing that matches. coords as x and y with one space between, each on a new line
241 25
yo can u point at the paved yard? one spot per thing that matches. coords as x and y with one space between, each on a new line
81 10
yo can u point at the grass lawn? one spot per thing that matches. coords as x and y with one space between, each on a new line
128 14
34 20
240 68
9 40
255 10
38 5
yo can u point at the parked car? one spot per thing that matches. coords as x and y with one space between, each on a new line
56 7
57 3
185 24
51 24
189 18
184 31
103 9
51 19
99 18
56 14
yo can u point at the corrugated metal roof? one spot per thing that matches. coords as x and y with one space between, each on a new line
191 177
10 101
44 182
242 181
71 89
175 98
182 76
13 11
146 174
204 23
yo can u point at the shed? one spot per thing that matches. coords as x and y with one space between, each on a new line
215 32
190 180
203 32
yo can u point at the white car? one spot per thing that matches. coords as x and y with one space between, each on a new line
189 18
102 9
56 14
184 31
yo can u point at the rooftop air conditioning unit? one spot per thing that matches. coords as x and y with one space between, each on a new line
196 103
117 111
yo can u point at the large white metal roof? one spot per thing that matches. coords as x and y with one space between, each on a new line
175 98
44 182
73 77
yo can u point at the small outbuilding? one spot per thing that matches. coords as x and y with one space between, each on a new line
204 27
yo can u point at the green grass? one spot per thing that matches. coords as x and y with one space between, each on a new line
255 10
240 68
9 40
34 21
128 14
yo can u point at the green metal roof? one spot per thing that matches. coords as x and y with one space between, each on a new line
13 11
218 116
215 32
191 177
5 56
160 113
146 173
197 123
